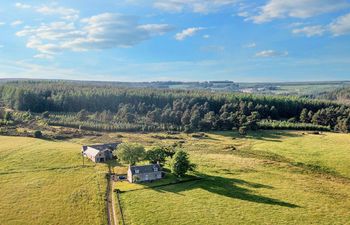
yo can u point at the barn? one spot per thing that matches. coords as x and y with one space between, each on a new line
99 153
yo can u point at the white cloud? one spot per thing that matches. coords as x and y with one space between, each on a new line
250 45
271 53
310 31
16 23
52 10
189 32
65 13
114 30
51 32
155 29
340 26
2 24
43 56
275 9
22 5
102 31
243 14
196 6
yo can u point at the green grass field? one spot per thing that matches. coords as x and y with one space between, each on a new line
273 178
43 182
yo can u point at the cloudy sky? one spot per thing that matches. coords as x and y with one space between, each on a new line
190 40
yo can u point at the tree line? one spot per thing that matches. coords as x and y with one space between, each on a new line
89 105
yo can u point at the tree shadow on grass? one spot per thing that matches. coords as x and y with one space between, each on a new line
228 187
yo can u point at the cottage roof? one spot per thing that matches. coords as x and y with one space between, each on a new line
145 169
91 152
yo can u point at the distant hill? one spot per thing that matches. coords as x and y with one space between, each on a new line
310 89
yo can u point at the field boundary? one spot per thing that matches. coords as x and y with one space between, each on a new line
120 207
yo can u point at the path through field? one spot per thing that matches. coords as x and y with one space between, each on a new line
112 219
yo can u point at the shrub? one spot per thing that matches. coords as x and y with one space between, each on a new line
38 134
242 130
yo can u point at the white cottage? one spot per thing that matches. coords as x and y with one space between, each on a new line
144 173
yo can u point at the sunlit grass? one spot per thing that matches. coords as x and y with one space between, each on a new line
43 182
260 182
269 177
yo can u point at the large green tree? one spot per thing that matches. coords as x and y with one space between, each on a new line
130 153
82 115
304 117
156 155
180 164
343 125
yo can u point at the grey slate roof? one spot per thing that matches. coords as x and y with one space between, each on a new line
145 169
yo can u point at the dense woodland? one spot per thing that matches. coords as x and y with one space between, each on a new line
111 108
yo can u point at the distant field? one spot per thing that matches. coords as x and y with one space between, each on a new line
307 89
296 88
42 182
273 178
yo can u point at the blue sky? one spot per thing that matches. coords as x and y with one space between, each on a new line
189 40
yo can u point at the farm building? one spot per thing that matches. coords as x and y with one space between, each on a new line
99 153
144 173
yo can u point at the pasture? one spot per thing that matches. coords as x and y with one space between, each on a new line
43 182
267 177
271 178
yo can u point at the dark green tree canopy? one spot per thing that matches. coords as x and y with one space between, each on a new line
128 109
156 155
130 153
180 163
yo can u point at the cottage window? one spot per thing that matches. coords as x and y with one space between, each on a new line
155 169
137 171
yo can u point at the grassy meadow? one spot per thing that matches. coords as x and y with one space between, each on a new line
43 182
271 178
267 177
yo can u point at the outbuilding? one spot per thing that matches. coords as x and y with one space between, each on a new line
99 153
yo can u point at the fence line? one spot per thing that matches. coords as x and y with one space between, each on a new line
120 207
